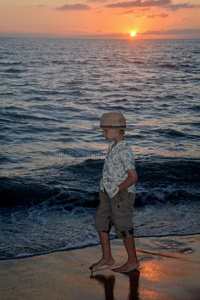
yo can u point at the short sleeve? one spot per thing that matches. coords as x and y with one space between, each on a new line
127 158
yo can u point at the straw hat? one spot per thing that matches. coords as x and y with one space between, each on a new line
113 120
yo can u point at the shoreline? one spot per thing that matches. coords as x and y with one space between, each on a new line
94 245
169 269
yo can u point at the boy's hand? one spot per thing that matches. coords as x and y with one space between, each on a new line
130 180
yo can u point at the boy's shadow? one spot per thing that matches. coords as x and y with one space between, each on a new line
109 281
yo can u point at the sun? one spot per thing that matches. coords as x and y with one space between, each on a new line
133 33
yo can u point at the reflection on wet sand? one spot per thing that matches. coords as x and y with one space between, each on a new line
108 283
134 285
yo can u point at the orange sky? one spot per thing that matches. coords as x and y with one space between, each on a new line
100 18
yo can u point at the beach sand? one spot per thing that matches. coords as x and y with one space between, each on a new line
169 269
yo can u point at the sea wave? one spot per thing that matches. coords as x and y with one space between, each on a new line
52 159
160 181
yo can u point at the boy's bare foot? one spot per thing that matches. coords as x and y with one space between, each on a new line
102 262
127 267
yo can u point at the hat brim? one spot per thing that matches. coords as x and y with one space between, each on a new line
109 127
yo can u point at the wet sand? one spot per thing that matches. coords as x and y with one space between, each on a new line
169 269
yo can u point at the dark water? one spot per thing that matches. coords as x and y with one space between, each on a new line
53 93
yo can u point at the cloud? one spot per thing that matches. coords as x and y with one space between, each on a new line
106 36
131 11
128 12
179 6
34 6
77 6
96 1
172 32
150 3
161 16
139 3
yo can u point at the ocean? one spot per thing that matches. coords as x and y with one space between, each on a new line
53 92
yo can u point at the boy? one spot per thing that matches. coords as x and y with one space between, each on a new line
117 194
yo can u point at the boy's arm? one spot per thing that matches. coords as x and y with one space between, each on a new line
131 179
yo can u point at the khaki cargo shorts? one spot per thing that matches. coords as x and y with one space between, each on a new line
117 212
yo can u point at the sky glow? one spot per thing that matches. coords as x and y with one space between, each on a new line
100 18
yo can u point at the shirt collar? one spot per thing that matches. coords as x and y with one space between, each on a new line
119 144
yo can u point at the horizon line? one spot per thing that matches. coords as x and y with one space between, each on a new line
96 37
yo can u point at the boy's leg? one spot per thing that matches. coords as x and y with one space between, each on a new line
132 262
103 223
122 207
107 258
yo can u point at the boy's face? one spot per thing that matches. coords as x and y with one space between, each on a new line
110 134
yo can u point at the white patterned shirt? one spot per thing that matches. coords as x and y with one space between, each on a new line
118 160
